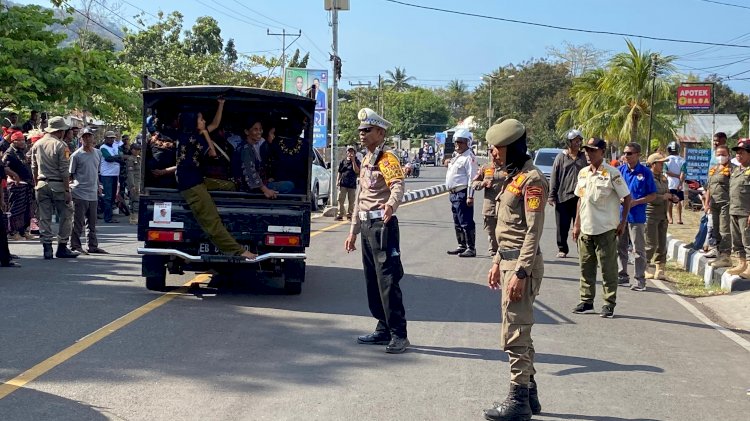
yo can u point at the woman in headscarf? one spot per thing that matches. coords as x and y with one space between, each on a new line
20 193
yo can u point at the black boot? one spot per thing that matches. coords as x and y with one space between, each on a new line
536 407
63 252
47 251
461 238
514 408
471 238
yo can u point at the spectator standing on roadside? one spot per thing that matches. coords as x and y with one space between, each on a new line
84 170
716 202
20 192
5 255
739 208
347 182
656 218
32 123
675 176
598 223
134 180
110 173
640 182
720 138
563 182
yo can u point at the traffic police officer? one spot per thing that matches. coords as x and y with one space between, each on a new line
518 266
462 169
717 202
381 188
50 165
739 208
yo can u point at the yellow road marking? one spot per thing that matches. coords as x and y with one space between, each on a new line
92 338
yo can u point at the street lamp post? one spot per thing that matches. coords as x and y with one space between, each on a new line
489 78
654 58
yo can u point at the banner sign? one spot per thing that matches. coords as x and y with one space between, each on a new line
298 81
694 97
697 162
440 138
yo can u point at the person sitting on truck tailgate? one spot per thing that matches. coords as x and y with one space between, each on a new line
247 166
193 143
381 182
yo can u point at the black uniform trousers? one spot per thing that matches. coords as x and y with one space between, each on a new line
381 257
463 214
565 213
4 251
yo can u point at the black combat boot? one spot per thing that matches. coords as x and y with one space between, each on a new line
461 238
47 251
471 239
514 408
536 407
63 252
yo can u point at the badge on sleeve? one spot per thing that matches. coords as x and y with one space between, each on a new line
390 167
533 199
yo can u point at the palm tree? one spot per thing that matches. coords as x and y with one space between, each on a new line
457 95
398 81
615 102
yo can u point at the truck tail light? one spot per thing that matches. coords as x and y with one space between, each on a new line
166 236
282 240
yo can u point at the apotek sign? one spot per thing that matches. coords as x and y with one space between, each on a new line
694 97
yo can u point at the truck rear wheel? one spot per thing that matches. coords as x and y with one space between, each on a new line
294 275
154 269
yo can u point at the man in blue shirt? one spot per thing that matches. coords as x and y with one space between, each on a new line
640 181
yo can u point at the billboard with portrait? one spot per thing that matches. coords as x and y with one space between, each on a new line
298 81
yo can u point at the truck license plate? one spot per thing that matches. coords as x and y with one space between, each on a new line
207 248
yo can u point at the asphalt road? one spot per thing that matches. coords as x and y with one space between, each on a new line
235 355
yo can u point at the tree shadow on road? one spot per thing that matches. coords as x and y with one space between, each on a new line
579 417
24 404
582 364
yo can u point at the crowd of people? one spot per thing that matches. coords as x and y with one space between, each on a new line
52 168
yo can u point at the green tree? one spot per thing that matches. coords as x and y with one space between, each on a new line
295 61
457 95
417 112
614 102
397 80
89 40
230 52
204 37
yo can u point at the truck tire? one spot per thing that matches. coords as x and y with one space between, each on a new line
294 275
157 282
314 200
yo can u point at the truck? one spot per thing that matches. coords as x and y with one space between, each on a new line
278 230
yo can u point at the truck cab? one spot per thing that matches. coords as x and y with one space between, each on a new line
278 230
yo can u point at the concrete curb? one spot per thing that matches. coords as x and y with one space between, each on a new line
695 263
424 193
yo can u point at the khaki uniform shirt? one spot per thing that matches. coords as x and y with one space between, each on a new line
739 192
50 160
600 193
488 172
520 216
657 208
379 184
134 170
718 182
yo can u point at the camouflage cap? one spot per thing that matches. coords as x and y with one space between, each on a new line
505 133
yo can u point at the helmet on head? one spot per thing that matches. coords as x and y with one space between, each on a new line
672 147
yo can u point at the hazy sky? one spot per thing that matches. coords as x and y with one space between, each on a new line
435 47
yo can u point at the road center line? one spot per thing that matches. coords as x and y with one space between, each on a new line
92 338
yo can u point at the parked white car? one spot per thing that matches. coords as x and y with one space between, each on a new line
544 159
320 184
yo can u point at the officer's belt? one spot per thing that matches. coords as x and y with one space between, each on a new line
457 189
371 215
50 179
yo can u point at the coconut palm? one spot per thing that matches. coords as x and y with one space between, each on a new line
398 81
457 96
615 102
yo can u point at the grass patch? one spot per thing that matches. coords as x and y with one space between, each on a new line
689 284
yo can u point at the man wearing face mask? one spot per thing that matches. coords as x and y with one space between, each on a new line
562 191
518 266
462 169
739 208
716 202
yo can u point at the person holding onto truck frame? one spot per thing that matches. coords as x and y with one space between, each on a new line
381 182
193 144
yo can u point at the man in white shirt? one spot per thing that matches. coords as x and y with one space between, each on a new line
461 170
110 173
675 178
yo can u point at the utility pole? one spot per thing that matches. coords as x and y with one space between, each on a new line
283 36
359 84
334 6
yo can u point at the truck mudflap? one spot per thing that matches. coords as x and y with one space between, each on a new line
206 258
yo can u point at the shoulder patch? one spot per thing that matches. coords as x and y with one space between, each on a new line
533 198
390 167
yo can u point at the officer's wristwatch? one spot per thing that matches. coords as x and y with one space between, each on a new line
521 273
